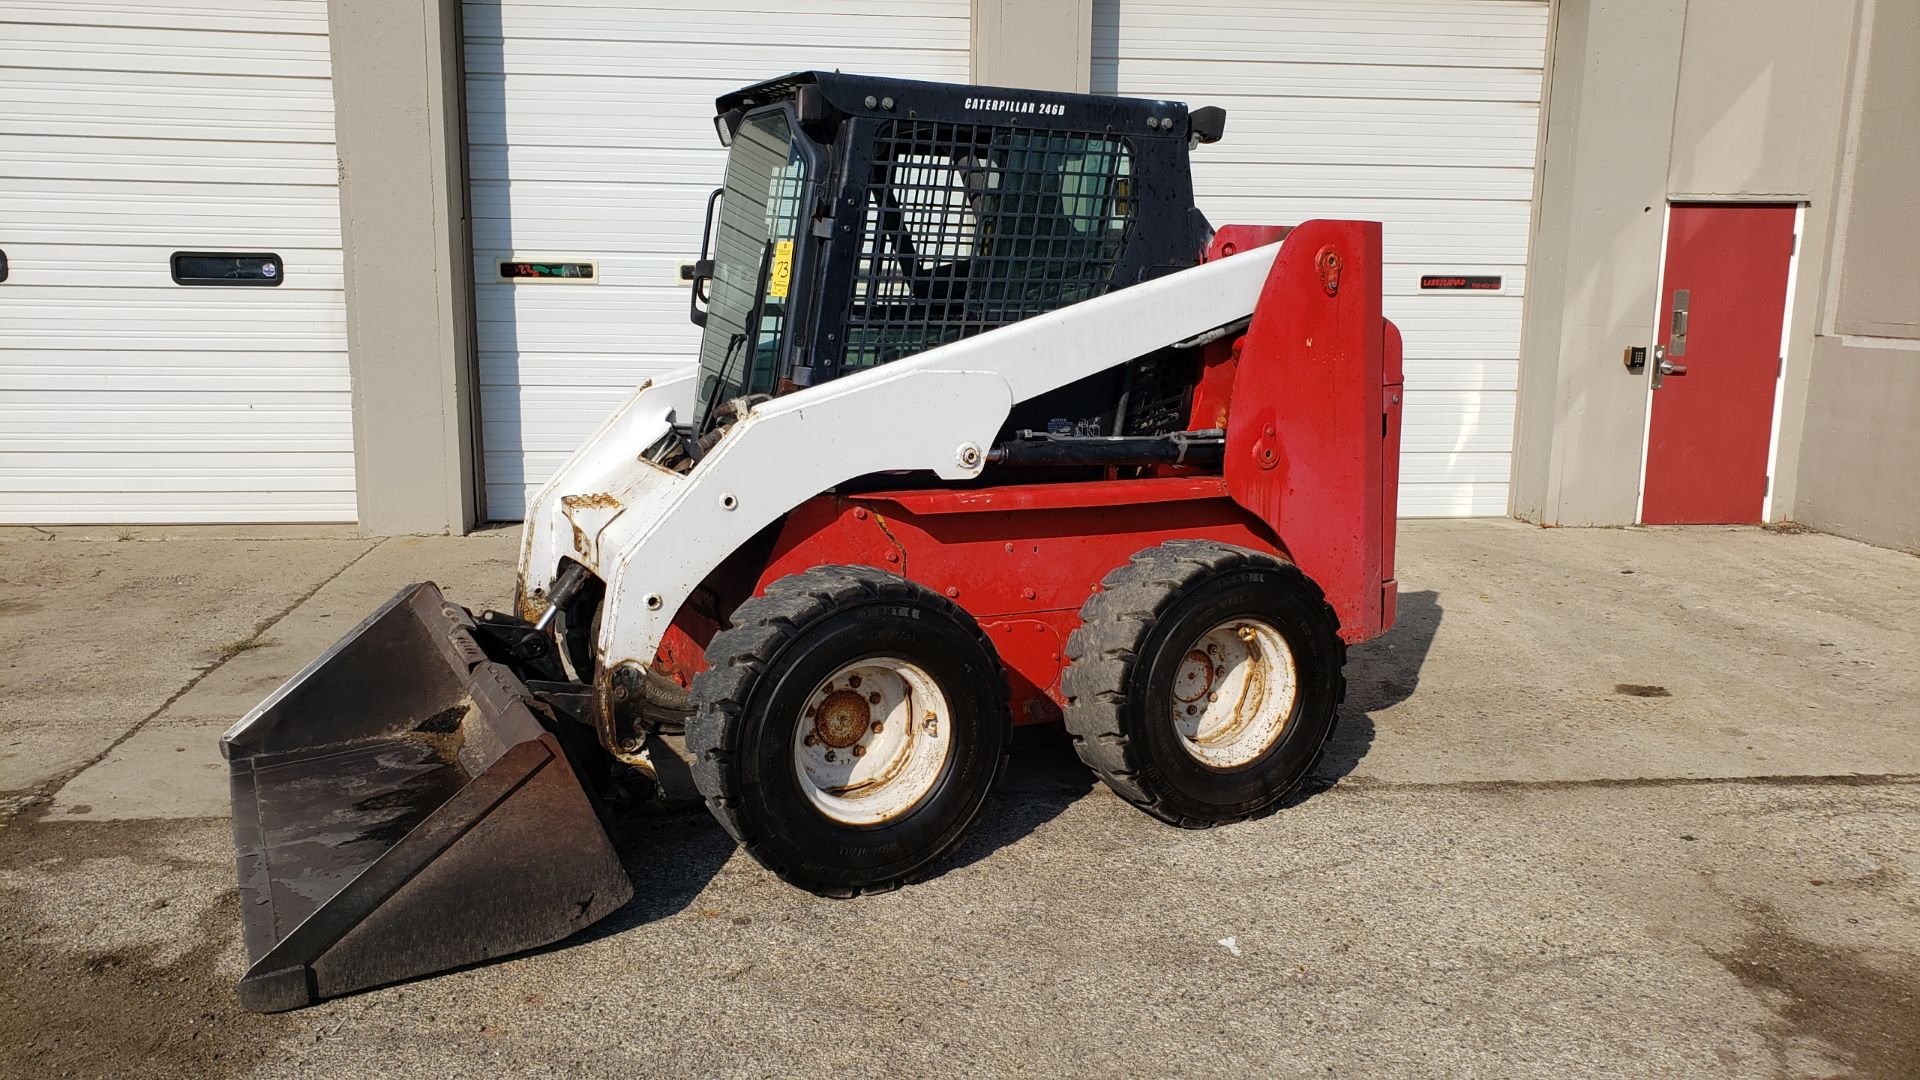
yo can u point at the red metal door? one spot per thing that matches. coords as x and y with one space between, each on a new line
1711 426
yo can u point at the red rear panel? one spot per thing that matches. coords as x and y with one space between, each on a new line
1307 432
1389 472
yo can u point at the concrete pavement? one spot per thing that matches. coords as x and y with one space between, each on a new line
100 633
146 777
1605 801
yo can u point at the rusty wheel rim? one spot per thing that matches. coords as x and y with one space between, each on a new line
1234 693
872 741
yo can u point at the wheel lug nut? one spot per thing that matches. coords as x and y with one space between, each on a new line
859 751
809 740
1191 709
874 697
853 681
1213 697
878 727
829 755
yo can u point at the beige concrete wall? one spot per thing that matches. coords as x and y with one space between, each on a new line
1879 248
1595 244
396 76
1758 118
1035 44
1758 111
1652 101
1859 462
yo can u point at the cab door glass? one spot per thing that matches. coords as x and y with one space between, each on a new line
758 230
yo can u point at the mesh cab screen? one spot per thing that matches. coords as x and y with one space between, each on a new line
969 227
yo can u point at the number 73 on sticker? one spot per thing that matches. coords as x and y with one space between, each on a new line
780 274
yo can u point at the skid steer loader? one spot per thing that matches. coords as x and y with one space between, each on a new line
987 427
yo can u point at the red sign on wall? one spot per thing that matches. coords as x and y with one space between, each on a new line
1472 282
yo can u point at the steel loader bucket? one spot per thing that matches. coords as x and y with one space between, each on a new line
399 809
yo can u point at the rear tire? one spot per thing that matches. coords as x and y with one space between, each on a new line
848 728
1203 681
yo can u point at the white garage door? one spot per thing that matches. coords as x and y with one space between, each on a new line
131 130
1421 114
590 131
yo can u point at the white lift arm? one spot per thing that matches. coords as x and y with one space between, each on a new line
653 535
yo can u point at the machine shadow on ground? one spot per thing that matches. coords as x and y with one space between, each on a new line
1380 674
1044 777
672 856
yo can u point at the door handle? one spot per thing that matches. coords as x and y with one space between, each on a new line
700 273
1663 367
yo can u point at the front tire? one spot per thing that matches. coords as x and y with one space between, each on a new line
1203 680
848 728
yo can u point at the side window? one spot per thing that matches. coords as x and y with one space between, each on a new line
968 227
783 226
1056 221
923 208
1094 189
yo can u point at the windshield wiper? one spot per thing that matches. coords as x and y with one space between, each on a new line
720 380
734 343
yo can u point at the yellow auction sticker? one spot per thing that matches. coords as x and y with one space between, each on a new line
781 273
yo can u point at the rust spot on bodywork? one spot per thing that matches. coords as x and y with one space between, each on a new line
1328 260
530 605
521 601
572 504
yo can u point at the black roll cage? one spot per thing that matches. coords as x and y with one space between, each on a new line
837 122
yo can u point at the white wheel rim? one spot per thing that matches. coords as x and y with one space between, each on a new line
872 741
1234 692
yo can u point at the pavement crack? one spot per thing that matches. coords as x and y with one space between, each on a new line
44 792
1356 785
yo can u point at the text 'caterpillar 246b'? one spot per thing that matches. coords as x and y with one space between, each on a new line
988 427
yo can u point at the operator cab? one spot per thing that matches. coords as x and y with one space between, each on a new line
863 220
